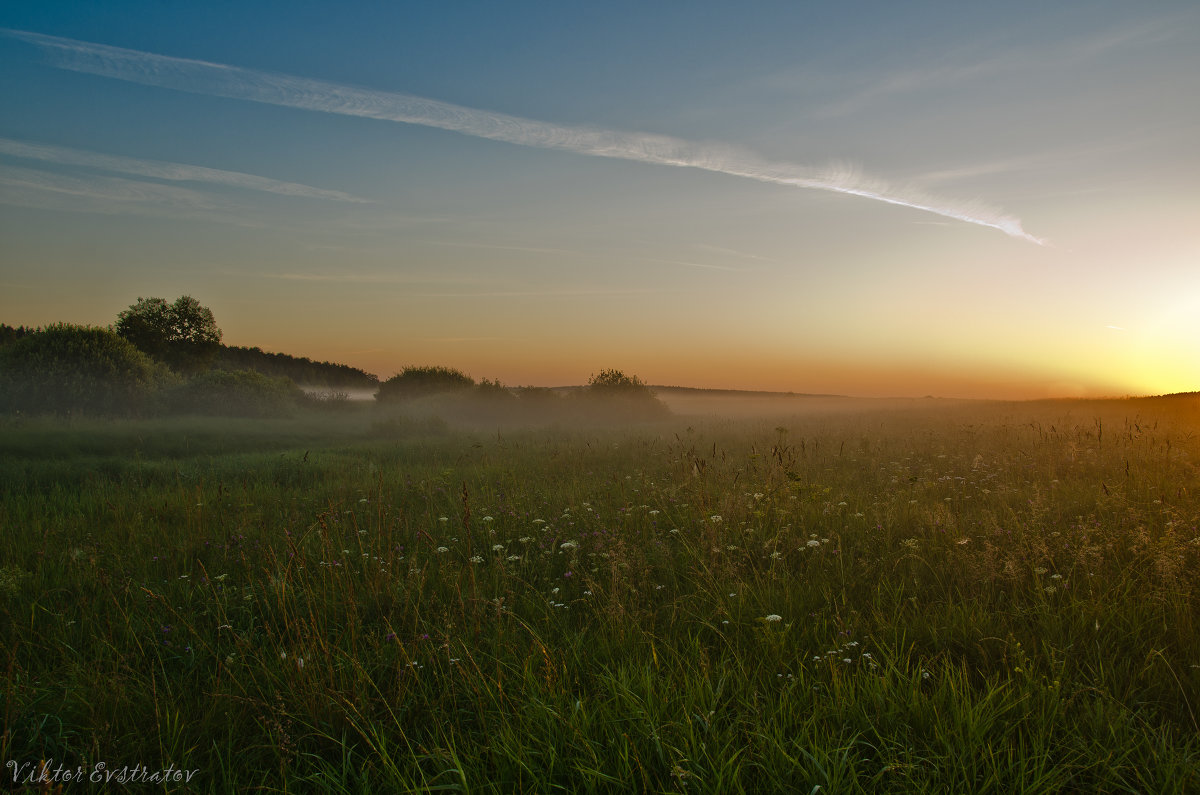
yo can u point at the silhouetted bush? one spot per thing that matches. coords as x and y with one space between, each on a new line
614 396
69 369
415 382
494 391
8 334
237 393
300 369
329 400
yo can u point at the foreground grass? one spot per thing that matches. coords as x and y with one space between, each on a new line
990 599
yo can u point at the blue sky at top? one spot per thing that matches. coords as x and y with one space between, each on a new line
1074 120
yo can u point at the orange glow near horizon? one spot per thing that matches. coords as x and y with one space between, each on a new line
1008 213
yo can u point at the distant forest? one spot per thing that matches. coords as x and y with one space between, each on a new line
300 369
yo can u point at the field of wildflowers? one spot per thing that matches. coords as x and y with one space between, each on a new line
969 598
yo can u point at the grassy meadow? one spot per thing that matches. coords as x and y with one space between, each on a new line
854 597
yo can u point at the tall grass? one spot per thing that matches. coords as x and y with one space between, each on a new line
998 598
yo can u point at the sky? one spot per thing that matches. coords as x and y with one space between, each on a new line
871 199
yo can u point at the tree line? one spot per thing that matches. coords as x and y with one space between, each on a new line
158 358
162 357
184 336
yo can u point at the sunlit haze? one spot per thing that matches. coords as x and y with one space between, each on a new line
873 199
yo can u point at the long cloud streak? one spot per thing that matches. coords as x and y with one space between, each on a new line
173 172
234 82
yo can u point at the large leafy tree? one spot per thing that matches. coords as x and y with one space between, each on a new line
183 334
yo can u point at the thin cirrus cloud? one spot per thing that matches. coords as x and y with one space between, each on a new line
221 80
964 68
171 172
97 193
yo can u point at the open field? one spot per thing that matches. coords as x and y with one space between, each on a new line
851 596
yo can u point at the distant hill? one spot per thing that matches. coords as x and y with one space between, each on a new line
700 391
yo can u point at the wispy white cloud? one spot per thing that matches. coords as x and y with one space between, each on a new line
171 172
1055 158
734 253
966 66
502 247
374 278
685 263
296 92
95 193
585 292
106 195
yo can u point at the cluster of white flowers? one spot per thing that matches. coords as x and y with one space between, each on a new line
842 654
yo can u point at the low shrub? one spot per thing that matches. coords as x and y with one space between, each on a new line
237 393
415 382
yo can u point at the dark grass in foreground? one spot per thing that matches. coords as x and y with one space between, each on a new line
999 598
